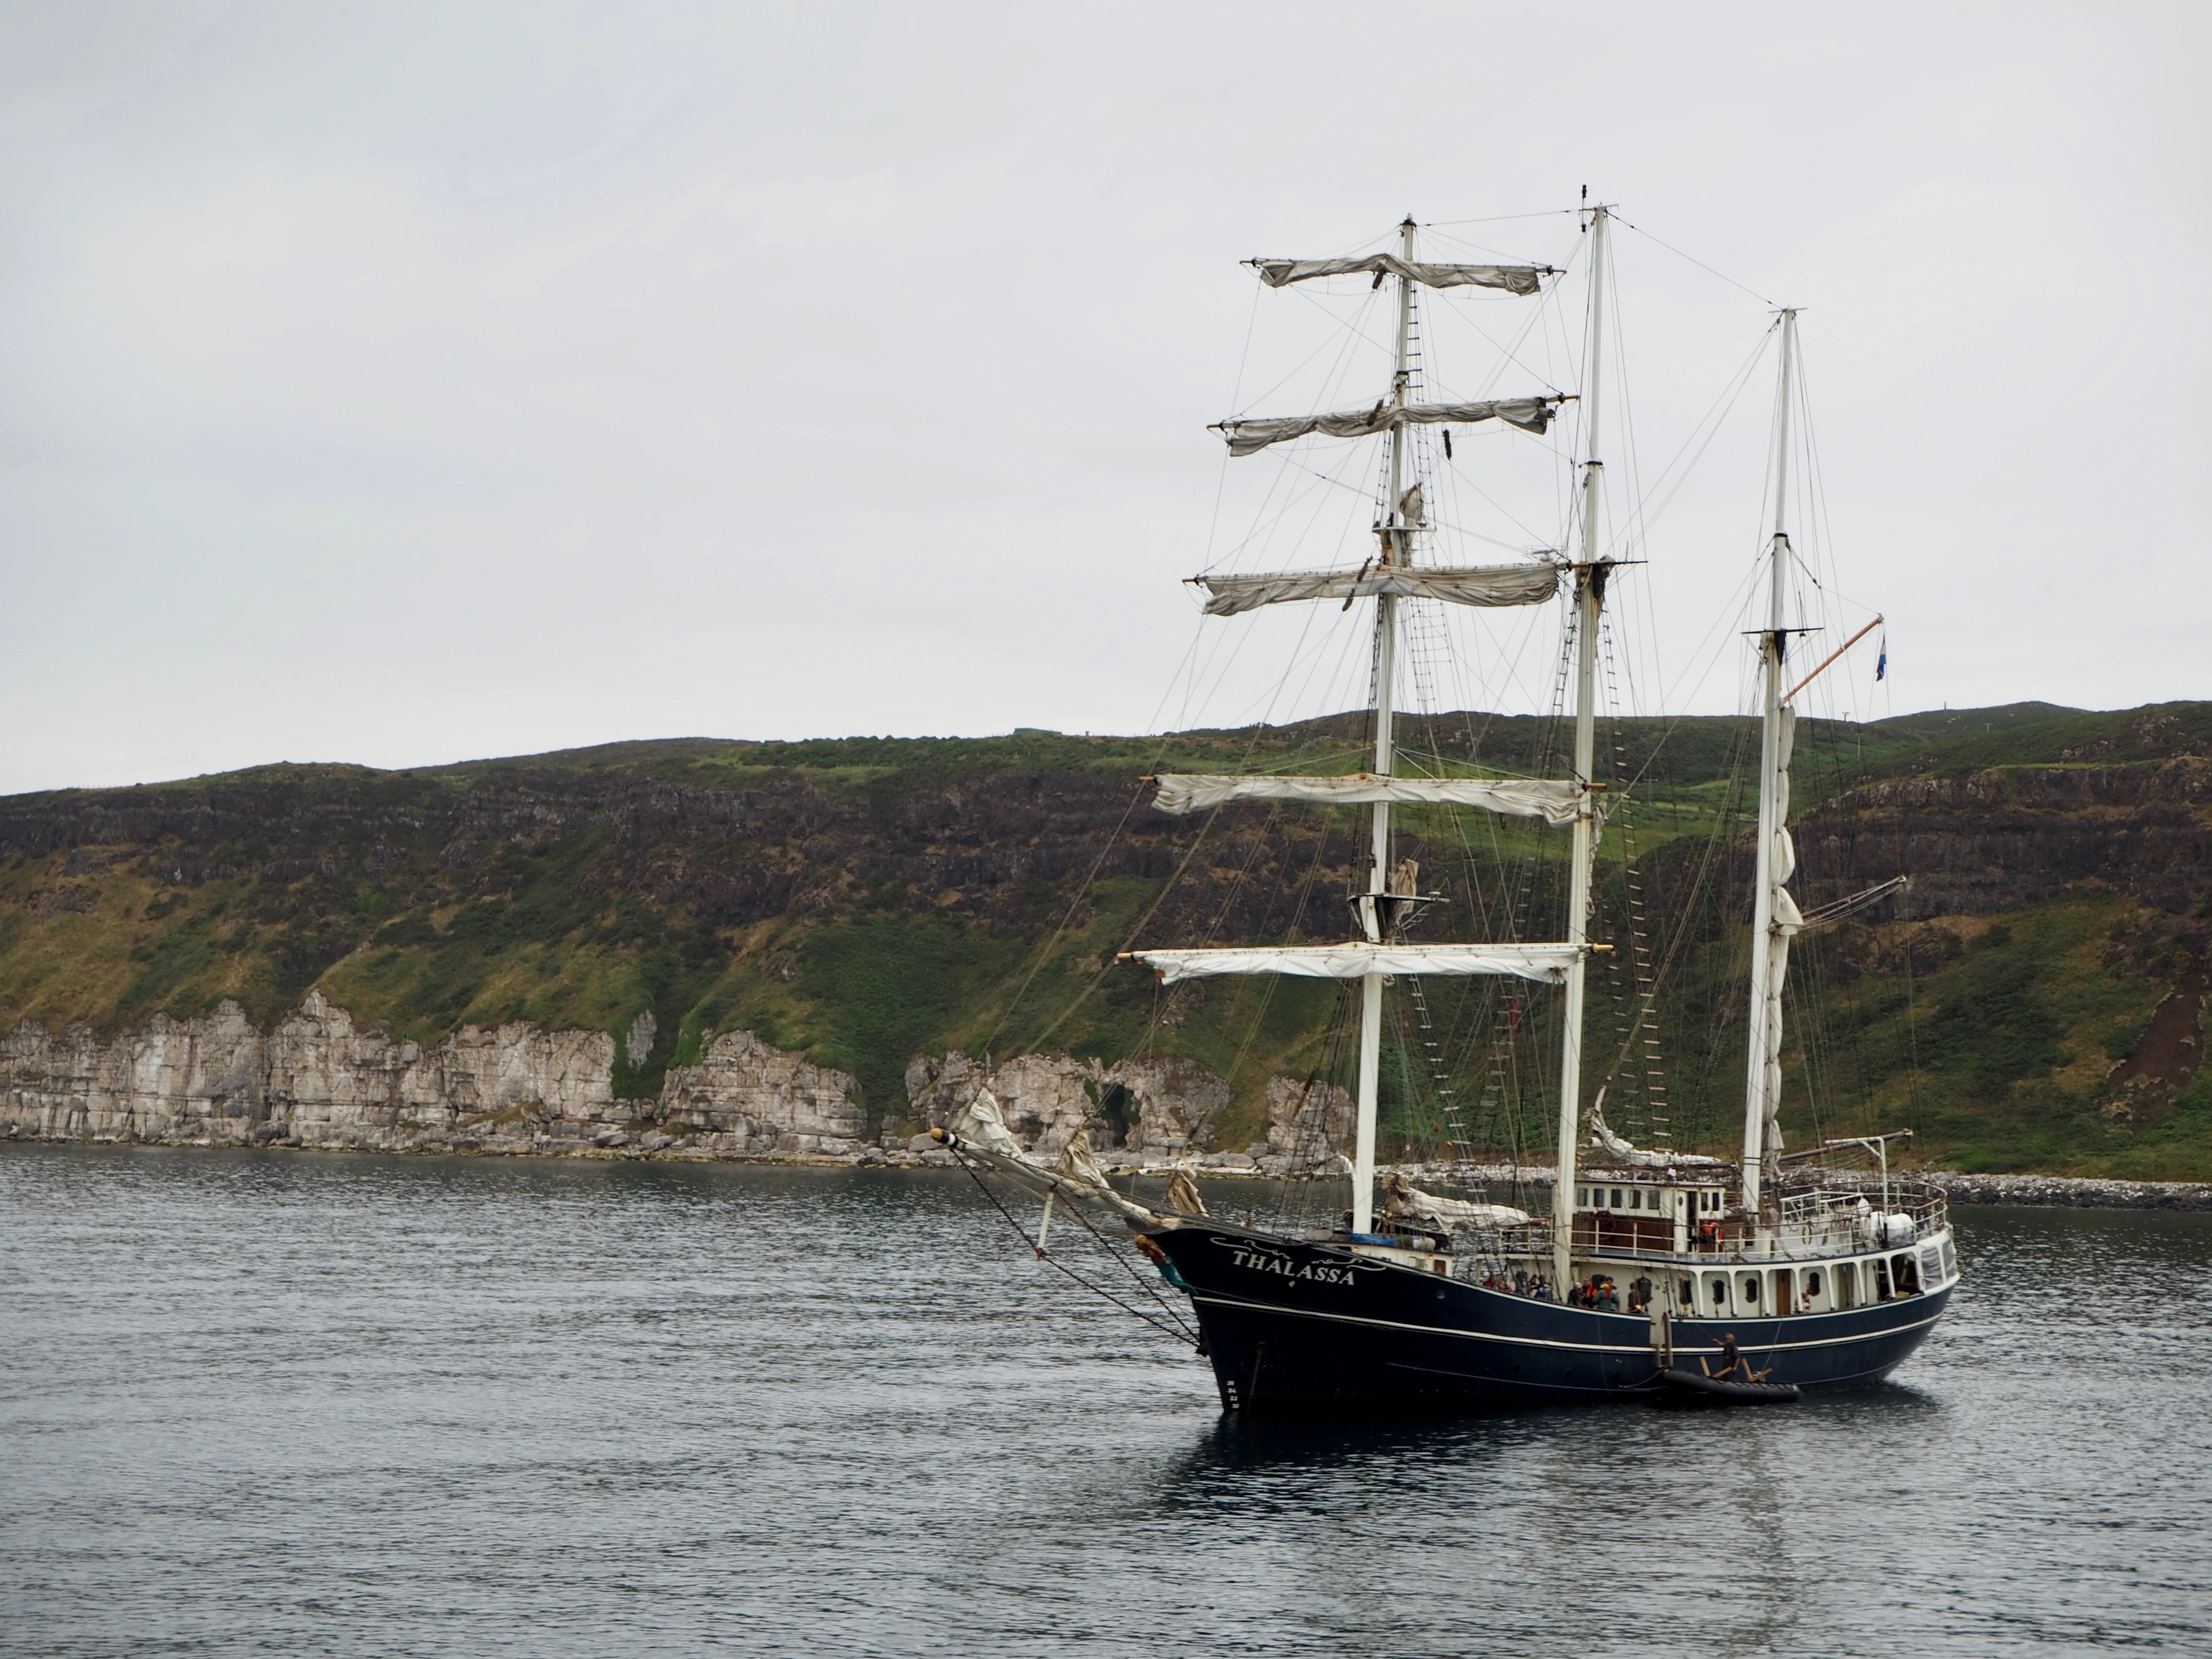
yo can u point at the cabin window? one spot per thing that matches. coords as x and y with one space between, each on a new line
1813 1281
1616 1198
1880 1279
1690 1295
1582 1198
1635 1198
1905 1275
1847 1284
1750 1289
1719 1288
1950 1260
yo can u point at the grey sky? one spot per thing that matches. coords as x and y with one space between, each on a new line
401 384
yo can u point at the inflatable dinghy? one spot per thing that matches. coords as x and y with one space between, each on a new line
1725 1391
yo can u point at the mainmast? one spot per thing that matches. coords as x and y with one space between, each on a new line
1396 533
1590 595
1770 906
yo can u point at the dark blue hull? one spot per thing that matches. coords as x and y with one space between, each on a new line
1291 1325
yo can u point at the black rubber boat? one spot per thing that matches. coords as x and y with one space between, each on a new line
1725 1391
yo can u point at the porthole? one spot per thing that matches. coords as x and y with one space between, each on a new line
1750 1289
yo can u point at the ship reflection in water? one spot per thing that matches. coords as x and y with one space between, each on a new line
370 1405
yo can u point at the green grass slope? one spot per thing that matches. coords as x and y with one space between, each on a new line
2036 1002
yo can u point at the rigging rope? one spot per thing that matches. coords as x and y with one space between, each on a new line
1181 1332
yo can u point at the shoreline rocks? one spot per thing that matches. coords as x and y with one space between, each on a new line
318 1082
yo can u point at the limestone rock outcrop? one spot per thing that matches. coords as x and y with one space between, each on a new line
318 1080
747 1096
1307 1121
1144 1110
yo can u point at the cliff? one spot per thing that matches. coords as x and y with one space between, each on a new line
316 1079
638 940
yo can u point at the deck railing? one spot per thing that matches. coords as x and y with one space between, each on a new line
1842 1216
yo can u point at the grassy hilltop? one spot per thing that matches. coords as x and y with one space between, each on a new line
2034 1000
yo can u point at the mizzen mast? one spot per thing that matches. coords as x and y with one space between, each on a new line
1774 914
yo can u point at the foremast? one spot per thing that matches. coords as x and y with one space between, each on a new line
1379 952
1397 537
1774 917
1589 597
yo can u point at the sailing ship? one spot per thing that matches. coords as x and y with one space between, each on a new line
1770 1273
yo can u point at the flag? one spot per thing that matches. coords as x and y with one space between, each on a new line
1881 663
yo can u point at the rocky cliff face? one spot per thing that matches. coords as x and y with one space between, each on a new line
1141 1111
2002 838
317 1080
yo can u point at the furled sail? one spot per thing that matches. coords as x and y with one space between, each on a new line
979 1130
1249 437
1400 1197
1514 279
1786 923
1620 1151
1357 958
981 1121
1554 801
1491 586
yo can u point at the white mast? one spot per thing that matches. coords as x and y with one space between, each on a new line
1396 535
1589 594
1763 1037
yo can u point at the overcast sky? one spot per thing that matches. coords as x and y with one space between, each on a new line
400 383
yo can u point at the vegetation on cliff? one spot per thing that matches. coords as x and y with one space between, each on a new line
2034 1001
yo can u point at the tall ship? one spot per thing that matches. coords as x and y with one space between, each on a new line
1655 1269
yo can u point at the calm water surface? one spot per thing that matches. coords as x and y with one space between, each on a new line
330 1405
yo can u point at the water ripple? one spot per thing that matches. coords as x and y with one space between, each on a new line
271 1403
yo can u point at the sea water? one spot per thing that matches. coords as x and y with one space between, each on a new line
319 1404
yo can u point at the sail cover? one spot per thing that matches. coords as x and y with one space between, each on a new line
1620 1151
1490 586
1401 1197
1249 437
1553 800
1356 959
1514 279
1784 926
